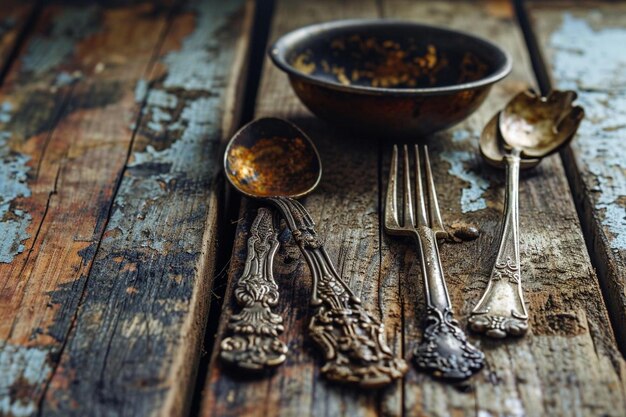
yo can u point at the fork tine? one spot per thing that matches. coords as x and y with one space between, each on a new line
422 218
391 205
435 215
408 197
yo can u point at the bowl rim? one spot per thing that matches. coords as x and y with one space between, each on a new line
279 47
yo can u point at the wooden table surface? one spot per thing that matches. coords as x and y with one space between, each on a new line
116 227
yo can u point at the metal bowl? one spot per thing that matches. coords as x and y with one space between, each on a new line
387 76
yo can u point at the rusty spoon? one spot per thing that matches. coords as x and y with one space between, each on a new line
273 160
528 129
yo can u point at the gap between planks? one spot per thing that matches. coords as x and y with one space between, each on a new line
231 200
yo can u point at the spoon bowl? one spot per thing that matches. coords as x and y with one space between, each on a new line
271 157
539 126
492 148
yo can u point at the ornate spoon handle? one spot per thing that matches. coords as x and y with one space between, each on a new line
501 310
254 344
444 350
353 341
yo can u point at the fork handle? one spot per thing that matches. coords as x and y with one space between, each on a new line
352 340
444 350
434 281
501 310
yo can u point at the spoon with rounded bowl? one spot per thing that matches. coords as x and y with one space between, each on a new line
527 130
273 160
539 126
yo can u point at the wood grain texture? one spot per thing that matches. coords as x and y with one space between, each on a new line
568 364
138 334
112 119
68 105
583 45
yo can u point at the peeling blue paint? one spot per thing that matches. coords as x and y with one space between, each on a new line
471 197
158 118
128 210
181 155
196 68
587 59
600 144
193 67
163 99
21 368
184 160
65 78
592 62
156 105
460 135
141 89
200 67
45 52
13 185
152 245
6 111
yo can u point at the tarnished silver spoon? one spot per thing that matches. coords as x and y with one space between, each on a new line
528 129
273 160
539 126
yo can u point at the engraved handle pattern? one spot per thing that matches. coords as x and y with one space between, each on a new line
444 351
501 310
254 344
353 341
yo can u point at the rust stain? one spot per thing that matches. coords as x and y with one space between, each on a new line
129 267
501 9
388 63
63 377
395 67
272 166
303 63
461 231
109 49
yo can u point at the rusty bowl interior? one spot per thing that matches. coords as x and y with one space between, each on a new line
387 76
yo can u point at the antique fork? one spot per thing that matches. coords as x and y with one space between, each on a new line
444 350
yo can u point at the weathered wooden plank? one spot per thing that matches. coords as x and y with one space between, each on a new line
68 108
14 15
583 45
567 365
297 388
138 334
